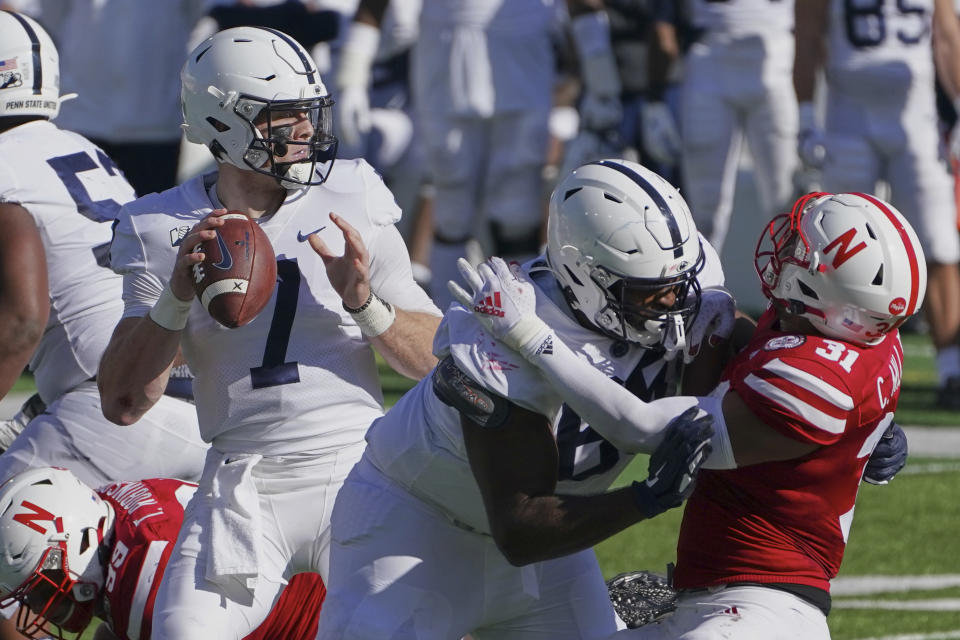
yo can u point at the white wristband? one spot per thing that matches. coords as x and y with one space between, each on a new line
374 317
170 312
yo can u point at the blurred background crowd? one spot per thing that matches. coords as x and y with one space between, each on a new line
471 125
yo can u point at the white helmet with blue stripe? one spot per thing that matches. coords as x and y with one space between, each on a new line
29 69
618 235
245 75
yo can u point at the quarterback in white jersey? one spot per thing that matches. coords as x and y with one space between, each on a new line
421 548
881 124
737 86
59 301
285 399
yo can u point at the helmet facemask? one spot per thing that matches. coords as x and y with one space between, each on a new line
633 311
281 119
55 600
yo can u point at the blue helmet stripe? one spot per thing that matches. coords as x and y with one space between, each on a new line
658 199
35 50
308 69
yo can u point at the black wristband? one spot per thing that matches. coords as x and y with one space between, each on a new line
361 307
646 502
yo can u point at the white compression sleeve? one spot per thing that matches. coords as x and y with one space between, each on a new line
626 421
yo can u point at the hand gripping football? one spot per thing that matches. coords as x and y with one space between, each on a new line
238 273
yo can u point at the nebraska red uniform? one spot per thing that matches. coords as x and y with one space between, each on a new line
149 515
787 522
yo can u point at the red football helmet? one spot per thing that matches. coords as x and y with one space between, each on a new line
849 263
52 528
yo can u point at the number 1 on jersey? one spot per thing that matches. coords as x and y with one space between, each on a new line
274 371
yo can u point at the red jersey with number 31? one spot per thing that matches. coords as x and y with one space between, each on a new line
788 521
149 515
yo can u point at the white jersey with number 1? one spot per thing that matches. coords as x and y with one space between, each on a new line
300 377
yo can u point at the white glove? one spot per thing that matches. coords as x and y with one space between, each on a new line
505 303
811 140
714 321
353 81
660 136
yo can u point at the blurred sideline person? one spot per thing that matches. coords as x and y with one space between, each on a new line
377 119
476 502
71 554
736 87
123 59
881 124
796 416
483 80
59 301
284 400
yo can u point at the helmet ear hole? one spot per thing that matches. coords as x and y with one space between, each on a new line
807 291
878 279
217 124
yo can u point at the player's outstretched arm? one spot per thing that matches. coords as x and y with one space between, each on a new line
24 295
626 421
515 464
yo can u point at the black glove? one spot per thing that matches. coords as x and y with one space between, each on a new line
888 457
640 597
675 463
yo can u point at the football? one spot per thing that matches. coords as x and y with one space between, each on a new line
239 271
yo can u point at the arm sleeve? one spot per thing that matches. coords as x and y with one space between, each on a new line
626 421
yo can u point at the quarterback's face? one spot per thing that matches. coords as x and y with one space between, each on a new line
287 126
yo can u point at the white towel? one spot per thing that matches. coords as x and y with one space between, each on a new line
233 533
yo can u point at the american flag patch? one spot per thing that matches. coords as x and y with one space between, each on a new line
8 64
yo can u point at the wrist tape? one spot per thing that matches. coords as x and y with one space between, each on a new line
169 311
374 316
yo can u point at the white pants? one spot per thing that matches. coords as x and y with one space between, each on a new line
743 612
400 569
295 496
737 88
72 433
879 133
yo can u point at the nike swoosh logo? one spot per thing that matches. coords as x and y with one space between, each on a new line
226 260
303 238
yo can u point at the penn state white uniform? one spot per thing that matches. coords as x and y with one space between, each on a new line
284 400
738 85
413 496
881 119
74 191
483 89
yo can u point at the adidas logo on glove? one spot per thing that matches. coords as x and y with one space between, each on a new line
491 306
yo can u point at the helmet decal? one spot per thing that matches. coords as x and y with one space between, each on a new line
34 49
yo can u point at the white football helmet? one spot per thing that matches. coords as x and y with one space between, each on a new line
29 69
616 234
52 527
849 263
239 74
